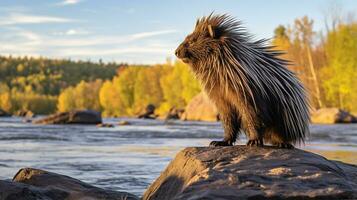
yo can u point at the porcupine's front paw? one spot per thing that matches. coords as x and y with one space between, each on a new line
257 142
220 143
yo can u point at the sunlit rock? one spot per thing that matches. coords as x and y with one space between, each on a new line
34 184
201 109
241 172
331 116
25 113
73 117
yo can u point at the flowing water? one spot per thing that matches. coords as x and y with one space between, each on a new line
129 158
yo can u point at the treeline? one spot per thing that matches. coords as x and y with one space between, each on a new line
327 64
34 84
165 86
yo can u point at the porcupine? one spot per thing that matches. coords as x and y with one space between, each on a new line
249 83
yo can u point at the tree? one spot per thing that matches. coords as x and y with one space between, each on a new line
341 78
297 42
5 98
147 89
304 33
66 101
110 100
178 86
84 96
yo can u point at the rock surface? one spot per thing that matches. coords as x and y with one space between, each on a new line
200 109
331 116
73 117
241 172
34 184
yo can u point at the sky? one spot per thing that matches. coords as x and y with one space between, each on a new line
133 31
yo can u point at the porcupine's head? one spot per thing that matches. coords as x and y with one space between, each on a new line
205 42
211 50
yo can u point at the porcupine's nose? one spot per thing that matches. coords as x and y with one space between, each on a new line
180 53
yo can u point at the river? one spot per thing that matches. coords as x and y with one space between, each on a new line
129 158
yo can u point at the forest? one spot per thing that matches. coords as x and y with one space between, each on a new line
325 61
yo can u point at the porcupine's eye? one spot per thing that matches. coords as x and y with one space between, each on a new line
191 42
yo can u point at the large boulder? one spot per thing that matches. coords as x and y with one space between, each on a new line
200 108
331 116
34 184
241 172
4 114
73 117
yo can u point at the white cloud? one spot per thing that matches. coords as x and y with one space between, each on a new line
115 51
104 40
68 2
16 18
18 41
152 33
72 32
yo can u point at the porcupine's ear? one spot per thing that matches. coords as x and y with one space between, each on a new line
210 31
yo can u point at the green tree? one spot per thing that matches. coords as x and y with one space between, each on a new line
340 73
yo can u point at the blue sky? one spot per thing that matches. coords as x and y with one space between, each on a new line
135 31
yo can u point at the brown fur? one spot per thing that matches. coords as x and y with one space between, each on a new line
251 87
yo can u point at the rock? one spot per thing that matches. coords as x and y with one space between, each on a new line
123 123
331 116
174 113
4 114
149 112
200 108
241 172
25 113
105 125
73 117
32 184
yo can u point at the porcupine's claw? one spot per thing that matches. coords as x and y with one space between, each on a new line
220 143
257 142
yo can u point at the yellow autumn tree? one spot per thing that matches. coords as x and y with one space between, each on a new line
147 88
84 96
5 98
340 73
178 86
66 100
110 99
